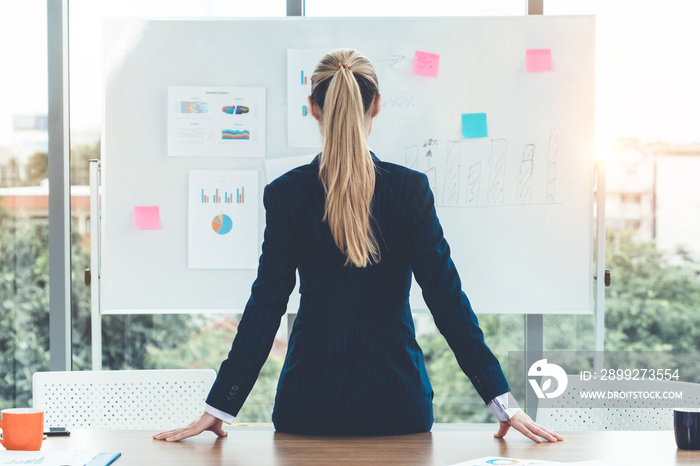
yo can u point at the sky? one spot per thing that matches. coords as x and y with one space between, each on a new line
646 69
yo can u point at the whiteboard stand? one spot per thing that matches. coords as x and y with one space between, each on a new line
601 274
534 349
95 239
534 323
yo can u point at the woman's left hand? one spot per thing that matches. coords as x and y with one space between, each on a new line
205 422
529 428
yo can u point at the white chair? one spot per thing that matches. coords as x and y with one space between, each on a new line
139 399
607 415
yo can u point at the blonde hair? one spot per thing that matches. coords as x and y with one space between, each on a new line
344 85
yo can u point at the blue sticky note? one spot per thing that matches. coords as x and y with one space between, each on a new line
474 125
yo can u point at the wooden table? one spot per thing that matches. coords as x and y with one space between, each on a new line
446 445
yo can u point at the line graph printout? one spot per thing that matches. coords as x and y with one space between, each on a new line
216 121
302 128
223 219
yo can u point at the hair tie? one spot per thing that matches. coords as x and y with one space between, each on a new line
343 65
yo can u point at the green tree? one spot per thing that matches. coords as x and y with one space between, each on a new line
456 400
653 303
37 168
23 307
9 174
207 347
24 314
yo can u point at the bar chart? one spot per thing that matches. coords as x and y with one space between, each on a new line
229 197
222 221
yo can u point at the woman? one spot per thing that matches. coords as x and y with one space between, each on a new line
355 228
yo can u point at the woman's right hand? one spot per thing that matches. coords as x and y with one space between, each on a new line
205 422
529 428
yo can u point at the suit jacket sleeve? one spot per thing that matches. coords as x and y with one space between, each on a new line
442 291
264 310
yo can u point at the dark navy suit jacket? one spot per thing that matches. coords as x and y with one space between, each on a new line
353 341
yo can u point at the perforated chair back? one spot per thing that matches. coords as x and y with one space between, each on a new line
579 416
139 399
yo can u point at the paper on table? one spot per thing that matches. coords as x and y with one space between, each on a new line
497 461
595 463
537 60
491 461
147 217
426 64
48 457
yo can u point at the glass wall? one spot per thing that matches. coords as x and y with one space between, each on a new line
455 399
183 341
646 128
149 341
24 251
646 123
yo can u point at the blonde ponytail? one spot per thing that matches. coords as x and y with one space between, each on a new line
343 85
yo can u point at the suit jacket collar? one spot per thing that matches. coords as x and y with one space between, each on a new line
318 156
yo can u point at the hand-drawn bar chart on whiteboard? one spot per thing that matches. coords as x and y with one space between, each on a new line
490 172
223 222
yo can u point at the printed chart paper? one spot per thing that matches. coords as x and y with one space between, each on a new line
216 121
302 128
494 461
48 457
497 461
223 219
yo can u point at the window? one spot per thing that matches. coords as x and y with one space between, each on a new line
24 249
646 90
144 341
639 53
455 399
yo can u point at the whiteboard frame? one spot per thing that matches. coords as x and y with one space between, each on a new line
235 311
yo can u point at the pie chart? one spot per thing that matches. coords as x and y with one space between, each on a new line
222 224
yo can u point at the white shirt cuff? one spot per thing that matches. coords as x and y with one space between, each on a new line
217 413
504 407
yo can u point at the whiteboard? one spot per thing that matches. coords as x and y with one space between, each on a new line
516 206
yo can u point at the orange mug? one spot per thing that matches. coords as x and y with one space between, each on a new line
22 429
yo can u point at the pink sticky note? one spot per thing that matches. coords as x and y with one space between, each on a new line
147 217
426 64
538 60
